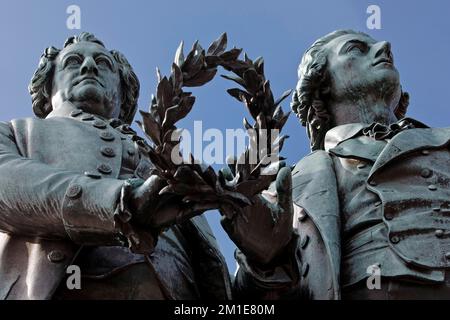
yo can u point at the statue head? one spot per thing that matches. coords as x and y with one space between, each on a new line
341 68
84 72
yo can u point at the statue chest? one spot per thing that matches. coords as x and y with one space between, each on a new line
76 145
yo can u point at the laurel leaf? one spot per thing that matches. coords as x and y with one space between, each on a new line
259 65
177 78
179 55
164 93
231 54
252 81
285 94
201 78
218 46
239 94
247 124
280 124
236 79
150 127
174 114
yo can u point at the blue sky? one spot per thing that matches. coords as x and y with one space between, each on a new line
148 33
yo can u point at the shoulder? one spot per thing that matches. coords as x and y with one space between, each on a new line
316 160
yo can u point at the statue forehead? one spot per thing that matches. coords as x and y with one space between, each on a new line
84 48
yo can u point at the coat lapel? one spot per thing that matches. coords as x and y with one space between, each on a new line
411 140
359 148
315 190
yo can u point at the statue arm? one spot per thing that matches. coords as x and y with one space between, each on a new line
39 200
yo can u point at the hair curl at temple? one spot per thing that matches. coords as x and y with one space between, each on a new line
309 98
40 86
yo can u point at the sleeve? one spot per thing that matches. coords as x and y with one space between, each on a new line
280 280
42 201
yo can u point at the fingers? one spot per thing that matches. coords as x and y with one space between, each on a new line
283 186
231 163
153 185
195 210
227 173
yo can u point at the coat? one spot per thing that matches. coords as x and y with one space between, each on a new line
59 189
317 210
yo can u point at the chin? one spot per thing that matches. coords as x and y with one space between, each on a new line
387 79
88 93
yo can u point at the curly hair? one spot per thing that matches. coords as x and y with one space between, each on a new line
309 98
40 86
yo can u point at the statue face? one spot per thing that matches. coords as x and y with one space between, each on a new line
358 66
87 75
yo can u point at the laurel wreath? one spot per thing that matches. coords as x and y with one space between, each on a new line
198 182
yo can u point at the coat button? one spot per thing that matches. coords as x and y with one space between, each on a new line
99 124
76 113
104 168
56 256
439 233
106 136
395 239
426 173
92 175
87 118
74 191
304 242
432 187
388 216
305 269
107 152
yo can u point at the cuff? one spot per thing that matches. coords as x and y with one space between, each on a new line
95 212
284 274
137 239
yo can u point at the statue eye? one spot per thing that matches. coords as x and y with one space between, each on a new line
103 62
72 61
357 48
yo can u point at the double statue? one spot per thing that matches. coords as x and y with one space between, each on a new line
76 188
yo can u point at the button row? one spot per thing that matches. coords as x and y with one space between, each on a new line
104 168
107 152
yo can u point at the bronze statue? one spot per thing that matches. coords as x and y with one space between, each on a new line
76 188
375 191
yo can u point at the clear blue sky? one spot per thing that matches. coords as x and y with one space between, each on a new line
148 33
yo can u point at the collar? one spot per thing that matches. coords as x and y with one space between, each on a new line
63 111
344 132
340 133
68 110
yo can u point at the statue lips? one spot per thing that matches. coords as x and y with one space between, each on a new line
384 61
87 79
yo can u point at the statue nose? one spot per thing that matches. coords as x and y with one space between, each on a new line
89 66
383 47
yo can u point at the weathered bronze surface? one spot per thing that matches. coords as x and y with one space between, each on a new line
77 188
375 191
